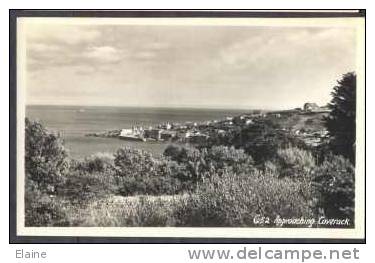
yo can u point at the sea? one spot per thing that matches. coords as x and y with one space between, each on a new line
74 122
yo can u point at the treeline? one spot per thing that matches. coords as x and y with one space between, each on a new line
254 171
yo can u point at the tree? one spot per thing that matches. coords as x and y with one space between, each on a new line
46 167
341 120
46 162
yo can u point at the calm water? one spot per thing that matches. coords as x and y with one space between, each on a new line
74 122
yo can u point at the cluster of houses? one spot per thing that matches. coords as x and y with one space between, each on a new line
194 132
188 132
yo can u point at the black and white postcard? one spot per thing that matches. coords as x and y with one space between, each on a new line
190 127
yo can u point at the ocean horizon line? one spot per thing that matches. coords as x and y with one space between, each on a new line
156 107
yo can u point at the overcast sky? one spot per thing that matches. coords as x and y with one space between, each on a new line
185 66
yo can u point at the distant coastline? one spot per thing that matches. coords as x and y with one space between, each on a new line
75 122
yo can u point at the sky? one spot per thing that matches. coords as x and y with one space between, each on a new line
185 66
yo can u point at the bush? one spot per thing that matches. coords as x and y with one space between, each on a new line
182 154
154 213
196 165
46 161
100 162
136 163
138 172
42 209
129 211
222 157
93 176
161 185
80 186
234 200
334 185
295 162
192 165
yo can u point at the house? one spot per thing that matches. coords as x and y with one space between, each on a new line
126 132
311 107
167 135
249 121
153 134
132 134
166 126
135 131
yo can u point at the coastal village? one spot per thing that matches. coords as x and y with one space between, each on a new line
199 132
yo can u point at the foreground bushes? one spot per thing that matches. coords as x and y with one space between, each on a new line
224 200
235 200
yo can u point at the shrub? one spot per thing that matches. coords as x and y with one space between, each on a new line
42 209
130 162
196 165
193 165
334 185
234 200
221 157
100 162
138 172
46 160
129 211
295 162
81 186
161 185
182 154
154 213
175 152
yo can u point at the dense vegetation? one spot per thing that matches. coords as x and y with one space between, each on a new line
341 121
257 170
